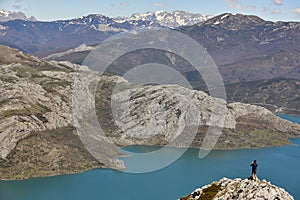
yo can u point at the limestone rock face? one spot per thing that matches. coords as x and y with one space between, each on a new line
164 110
239 189
32 104
36 96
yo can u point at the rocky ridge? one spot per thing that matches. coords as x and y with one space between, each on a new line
239 189
8 16
37 129
247 48
161 111
257 59
60 35
37 137
167 19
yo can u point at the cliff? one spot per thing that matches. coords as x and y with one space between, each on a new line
239 189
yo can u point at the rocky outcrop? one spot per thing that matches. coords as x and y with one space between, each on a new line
36 96
37 135
35 102
142 113
239 189
32 99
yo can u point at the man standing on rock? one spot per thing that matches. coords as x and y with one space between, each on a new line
254 166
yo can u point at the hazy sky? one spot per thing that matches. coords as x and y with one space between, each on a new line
284 10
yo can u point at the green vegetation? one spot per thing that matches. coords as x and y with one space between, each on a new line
281 92
103 107
48 153
10 113
25 71
32 110
189 197
207 193
210 192
50 86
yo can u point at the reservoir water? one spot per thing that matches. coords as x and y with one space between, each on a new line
279 165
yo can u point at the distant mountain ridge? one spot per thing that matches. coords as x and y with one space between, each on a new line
8 16
37 127
168 19
244 47
43 38
248 48
259 60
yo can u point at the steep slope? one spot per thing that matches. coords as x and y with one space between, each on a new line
239 189
160 111
259 60
43 38
247 48
244 47
278 95
37 135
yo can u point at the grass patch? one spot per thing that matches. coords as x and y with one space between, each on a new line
189 197
8 79
210 192
50 86
207 193
34 110
24 71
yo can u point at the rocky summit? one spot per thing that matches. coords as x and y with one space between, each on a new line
239 189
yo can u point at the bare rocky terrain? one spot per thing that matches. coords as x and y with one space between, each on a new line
226 189
258 59
38 138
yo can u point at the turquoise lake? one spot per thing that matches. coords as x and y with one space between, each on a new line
280 165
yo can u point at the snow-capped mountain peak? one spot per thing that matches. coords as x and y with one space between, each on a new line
167 19
4 13
8 16
156 19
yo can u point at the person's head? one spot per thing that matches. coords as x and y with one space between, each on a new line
254 161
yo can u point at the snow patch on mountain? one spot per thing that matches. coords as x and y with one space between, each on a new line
8 16
167 19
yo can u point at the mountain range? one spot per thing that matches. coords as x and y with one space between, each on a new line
42 38
8 16
167 19
37 124
259 60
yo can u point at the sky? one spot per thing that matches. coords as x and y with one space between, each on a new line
48 10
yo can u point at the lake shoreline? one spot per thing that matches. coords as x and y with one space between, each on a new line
24 177
125 156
